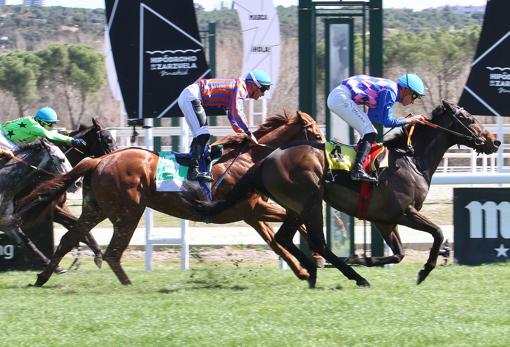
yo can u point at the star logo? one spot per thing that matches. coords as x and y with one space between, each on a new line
22 125
501 251
10 133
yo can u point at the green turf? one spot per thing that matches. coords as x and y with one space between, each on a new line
234 303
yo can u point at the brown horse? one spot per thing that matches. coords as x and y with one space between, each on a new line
294 176
121 185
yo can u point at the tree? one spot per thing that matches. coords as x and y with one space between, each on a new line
77 70
20 75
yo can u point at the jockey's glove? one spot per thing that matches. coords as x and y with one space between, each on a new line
78 143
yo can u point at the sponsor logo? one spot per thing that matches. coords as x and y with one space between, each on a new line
258 17
489 220
499 77
173 62
7 251
260 49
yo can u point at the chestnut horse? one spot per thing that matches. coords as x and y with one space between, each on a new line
294 176
121 185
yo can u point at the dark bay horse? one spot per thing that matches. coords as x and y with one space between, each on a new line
99 141
121 185
294 176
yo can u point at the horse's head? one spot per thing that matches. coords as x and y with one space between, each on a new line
467 130
99 140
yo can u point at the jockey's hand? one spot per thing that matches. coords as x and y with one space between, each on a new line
418 118
79 143
6 152
251 138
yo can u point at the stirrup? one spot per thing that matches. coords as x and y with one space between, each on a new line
204 176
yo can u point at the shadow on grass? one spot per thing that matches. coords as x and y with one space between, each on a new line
201 287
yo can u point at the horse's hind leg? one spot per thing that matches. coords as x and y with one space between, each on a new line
64 217
89 218
312 216
390 234
123 229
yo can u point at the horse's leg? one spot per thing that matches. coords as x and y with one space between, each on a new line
123 228
64 216
274 213
284 236
266 231
89 218
312 216
390 234
413 219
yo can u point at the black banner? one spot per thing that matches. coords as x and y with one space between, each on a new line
481 219
487 90
14 257
155 42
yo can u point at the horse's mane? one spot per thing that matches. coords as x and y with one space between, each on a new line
271 123
82 130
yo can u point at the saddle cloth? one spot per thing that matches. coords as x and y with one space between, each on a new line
173 167
342 157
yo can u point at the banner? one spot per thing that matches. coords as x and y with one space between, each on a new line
487 90
481 220
157 53
261 38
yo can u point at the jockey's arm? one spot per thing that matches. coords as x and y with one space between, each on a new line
39 131
236 114
382 113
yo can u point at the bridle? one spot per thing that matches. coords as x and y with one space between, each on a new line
455 115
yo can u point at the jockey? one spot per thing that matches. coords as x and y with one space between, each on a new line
28 129
379 95
224 93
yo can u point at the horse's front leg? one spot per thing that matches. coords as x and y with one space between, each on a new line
413 219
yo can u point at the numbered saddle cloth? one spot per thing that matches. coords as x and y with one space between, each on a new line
173 167
341 157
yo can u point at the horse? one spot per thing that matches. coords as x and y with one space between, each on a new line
295 176
119 186
99 141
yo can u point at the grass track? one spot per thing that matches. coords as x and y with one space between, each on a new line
256 304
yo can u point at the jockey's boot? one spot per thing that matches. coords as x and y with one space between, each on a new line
197 151
358 173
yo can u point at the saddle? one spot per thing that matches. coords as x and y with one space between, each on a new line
341 158
172 170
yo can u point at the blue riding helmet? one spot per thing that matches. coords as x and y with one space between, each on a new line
413 82
47 115
260 78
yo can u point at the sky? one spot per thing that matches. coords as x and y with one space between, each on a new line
211 4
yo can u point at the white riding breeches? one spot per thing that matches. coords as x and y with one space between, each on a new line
5 142
341 103
190 93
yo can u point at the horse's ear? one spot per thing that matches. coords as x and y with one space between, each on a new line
96 123
448 105
285 113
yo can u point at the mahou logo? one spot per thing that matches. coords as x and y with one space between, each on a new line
489 220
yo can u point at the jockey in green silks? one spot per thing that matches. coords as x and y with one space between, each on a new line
28 129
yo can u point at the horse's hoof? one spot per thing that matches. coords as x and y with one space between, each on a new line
320 262
422 275
98 260
303 275
362 283
311 282
356 260
60 270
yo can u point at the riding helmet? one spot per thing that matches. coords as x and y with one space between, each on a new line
46 114
413 82
260 78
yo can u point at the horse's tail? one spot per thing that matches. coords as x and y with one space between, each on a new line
246 186
50 190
